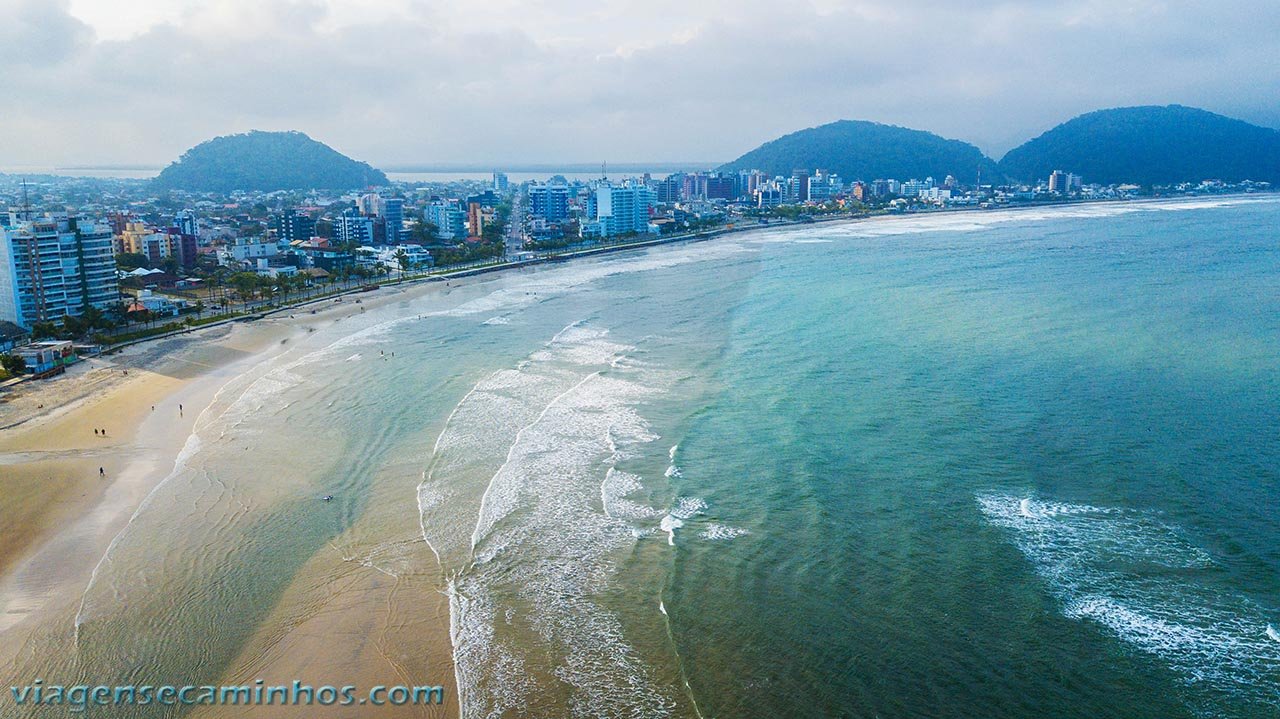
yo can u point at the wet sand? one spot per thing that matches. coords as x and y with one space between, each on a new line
340 622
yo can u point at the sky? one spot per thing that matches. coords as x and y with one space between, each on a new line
397 82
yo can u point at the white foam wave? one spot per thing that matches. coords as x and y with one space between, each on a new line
613 496
714 532
687 507
981 220
670 524
1141 579
526 611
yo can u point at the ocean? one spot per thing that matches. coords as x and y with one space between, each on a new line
1007 464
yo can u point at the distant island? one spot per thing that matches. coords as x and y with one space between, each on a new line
1150 145
266 161
857 149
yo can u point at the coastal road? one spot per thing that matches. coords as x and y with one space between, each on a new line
515 226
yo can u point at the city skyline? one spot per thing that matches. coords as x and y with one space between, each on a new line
530 83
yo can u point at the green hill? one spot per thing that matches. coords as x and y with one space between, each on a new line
1150 145
266 161
860 150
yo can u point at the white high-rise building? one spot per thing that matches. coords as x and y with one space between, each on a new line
621 209
54 266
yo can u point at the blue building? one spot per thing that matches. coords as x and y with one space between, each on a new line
550 202
620 209
449 218
293 226
392 214
354 228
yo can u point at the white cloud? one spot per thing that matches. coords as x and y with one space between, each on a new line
117 81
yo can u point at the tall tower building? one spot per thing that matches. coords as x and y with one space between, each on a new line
550 202
54 266
1058 182
622 209
392 216
800 180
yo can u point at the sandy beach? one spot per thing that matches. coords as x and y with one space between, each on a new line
69 492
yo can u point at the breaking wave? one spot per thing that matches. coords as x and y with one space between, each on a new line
1141 580
528 583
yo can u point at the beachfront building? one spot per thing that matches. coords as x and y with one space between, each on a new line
53 266
47 358
1058 182
550 202
389 257
619 209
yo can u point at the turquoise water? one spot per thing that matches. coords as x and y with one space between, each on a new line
1002 465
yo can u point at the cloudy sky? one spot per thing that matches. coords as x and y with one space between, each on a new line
491 81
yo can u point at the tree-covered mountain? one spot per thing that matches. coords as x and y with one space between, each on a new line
860 150
1150 145
266 161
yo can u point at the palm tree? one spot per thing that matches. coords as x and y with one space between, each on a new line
402 259
246 285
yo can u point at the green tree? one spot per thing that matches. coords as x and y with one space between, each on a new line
129 261
402 259
93 318
246 286
13 364
44 330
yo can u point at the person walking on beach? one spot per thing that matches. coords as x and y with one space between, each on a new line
102 472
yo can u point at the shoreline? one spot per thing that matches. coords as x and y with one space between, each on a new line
24 387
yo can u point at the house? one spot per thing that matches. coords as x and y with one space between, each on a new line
47 358
156 304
